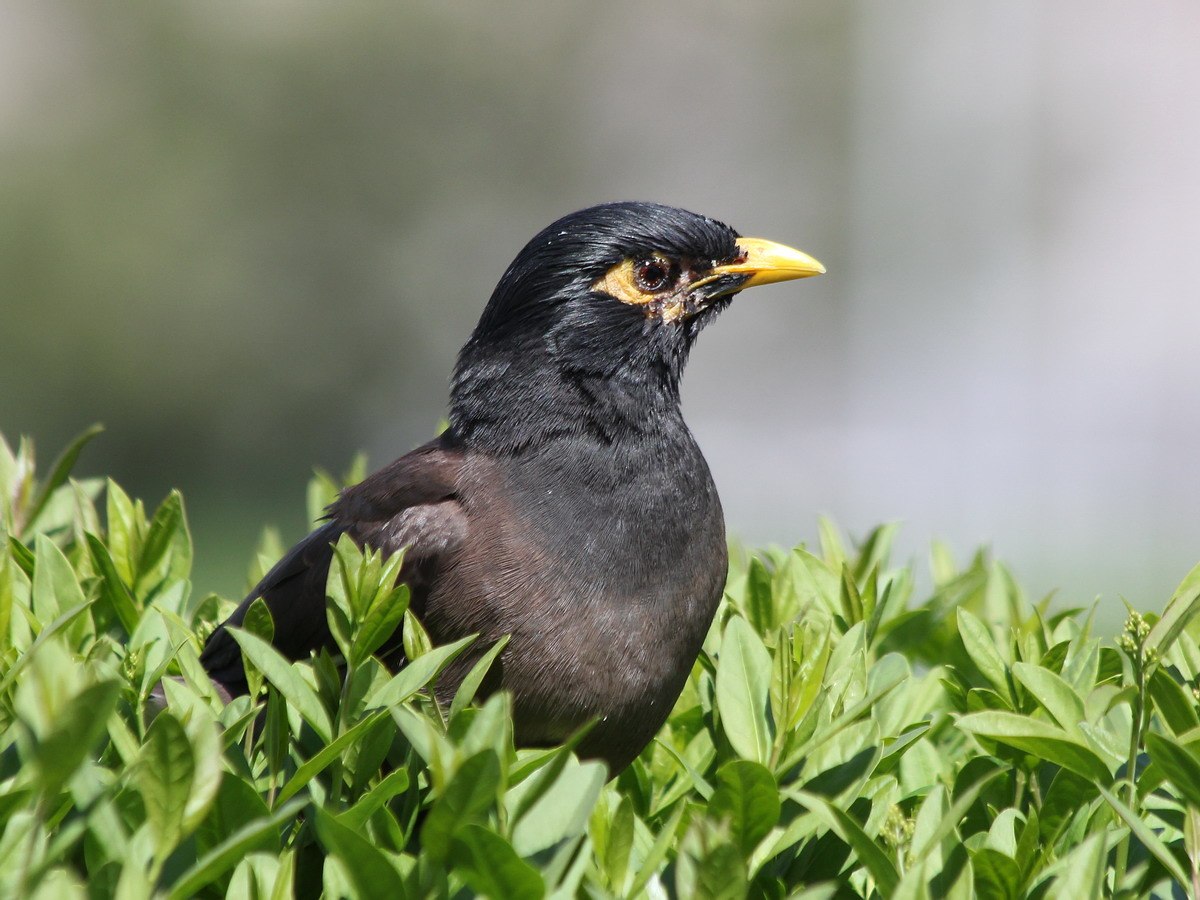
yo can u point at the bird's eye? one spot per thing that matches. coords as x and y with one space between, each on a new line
652 274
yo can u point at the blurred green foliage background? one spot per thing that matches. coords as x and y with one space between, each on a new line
249 238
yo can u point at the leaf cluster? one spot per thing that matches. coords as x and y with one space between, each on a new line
838 736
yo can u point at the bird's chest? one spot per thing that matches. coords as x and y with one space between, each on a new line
603 528
605 573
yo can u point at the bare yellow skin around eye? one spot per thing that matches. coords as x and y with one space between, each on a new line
619 282
758 262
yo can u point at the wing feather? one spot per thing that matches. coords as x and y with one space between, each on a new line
409 503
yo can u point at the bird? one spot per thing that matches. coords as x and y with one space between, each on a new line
567 504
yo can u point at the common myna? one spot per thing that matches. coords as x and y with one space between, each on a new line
567 504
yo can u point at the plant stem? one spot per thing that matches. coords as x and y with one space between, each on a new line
1019 781
335 770
39 816
1135 743
1135 735
1036 789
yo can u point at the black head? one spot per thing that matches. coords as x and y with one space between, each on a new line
556 273
613 294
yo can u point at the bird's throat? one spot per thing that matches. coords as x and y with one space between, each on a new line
513 402
519 418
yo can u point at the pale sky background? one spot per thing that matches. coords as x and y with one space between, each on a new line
251 239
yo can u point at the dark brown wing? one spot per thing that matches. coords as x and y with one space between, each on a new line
410 503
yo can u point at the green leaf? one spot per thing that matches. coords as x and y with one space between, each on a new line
536 775
618 844
925 843
1029 843
9 474
817 582
874 606
839 767
981 647
470 685
286 679
124 530
417 674
759 602
167 534
562 811
832 548
885 677
369 869
73 732
22 556
326 755
231 851
1174 704
697 781
874 552
164 778
356 816
55 587
1083 870
1191 842
748 798
852 604
415 637
1039 739
472 790
1184 605
237 804
743 691
1179 764
427 739
379 624
869 854
793 754
829 892
7 580
1146 835
810 653
60 471
657 853
81 517
113 591
491 867
258 620
206 748
1053 694
997 877
1068 794
713 872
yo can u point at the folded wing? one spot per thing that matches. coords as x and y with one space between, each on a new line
410 503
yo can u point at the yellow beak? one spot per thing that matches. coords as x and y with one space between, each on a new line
767 262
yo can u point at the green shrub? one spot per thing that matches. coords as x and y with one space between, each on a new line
836 738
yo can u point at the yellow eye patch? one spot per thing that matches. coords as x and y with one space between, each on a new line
667 289
652 283
623 282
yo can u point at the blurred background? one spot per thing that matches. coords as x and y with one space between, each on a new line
250 238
